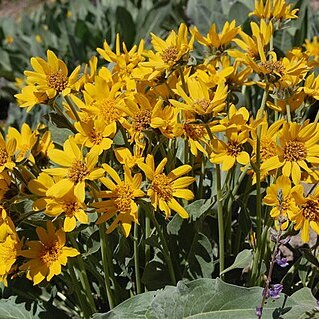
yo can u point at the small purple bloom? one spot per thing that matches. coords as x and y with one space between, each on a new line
259 312
275 291
281 261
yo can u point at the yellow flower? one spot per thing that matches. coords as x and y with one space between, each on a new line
121 197
297 147
280 198
30 96
230 152
94 135
9 245
69 205
201 100
124 63
274 9
125 157
7 151
5 181
164 187
51 76
25 141
217 40
312 48
307 216
47 255
169 53
9 39
75 170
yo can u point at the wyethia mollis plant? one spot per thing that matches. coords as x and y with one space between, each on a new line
151 130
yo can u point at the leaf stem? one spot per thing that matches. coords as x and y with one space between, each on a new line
136 261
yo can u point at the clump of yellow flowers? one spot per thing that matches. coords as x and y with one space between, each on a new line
147 126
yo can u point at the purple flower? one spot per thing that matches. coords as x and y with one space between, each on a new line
259 312
275 291
281 261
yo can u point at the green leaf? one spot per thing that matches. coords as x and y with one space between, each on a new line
9 309
174 225
243 259
239 12
209 299
199 207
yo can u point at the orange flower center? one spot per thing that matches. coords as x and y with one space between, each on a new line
194 131
267 149
142 120
108 110
3 156
234 148
273 66
170 55
57 81
77 172
95 137
163 186
310 210
50 253
202 103
295 151
70 208
124 194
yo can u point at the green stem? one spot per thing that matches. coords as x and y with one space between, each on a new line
288 112
83 278
165 251
221 235
136 261
107 282
184 85
72 107
85 308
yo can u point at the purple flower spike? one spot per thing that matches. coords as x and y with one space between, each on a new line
275 291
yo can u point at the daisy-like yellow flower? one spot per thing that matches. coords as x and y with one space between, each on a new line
127 158
217 40
307 216
9 245
274 9
298 147
164 187
312 48
25 141
30 97
120 197
280 197
7 151
47 255
169 53
75 170
201 99
94 135
5 181
71 206
230 152
51 76
124 62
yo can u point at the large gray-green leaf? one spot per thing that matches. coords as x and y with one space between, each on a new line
210 299
11 310
243 259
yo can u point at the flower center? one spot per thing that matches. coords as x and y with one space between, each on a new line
77 172
50 253
194 131
3 156
273 66
310 210
108 110
162 185
70 208
295 151
234 148
57 81
267 149
202 104
142 120
124 194
95 137
170 55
